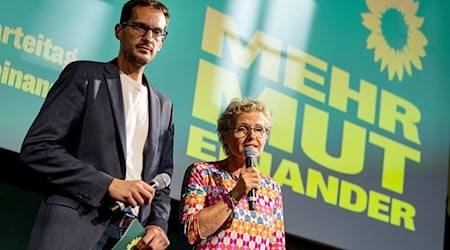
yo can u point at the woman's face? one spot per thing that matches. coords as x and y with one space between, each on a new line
247 130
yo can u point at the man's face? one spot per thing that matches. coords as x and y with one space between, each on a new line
139 42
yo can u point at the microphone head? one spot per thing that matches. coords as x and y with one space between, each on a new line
161 180
250 151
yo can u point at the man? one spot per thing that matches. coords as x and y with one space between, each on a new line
102 134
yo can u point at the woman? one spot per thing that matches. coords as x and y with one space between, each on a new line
214 207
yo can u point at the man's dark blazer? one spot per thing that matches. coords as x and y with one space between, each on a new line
77 145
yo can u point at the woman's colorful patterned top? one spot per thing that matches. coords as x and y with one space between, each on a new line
263 228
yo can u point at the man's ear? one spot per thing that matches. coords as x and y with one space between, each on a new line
118 31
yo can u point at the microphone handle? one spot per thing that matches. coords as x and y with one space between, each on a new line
116 207
250 162
120 206
252 199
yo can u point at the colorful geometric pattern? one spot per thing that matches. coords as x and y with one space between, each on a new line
262 228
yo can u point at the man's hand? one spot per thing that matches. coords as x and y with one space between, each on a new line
131 192
155 239
248 178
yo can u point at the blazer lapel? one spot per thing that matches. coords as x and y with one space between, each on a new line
115 93
153 129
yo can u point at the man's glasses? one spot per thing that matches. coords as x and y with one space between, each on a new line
140 29
243 131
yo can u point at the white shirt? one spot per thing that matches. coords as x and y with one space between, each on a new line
135 98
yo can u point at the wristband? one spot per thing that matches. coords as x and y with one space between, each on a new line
233 200
229 200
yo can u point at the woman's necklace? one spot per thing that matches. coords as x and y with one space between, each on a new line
233 174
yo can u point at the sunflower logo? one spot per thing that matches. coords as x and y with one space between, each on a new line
395 36
133 243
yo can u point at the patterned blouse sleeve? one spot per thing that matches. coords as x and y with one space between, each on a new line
193 198
278 236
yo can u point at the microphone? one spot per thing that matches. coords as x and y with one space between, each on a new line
250 161
160 181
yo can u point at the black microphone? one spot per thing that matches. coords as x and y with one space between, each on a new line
250 161
160 181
